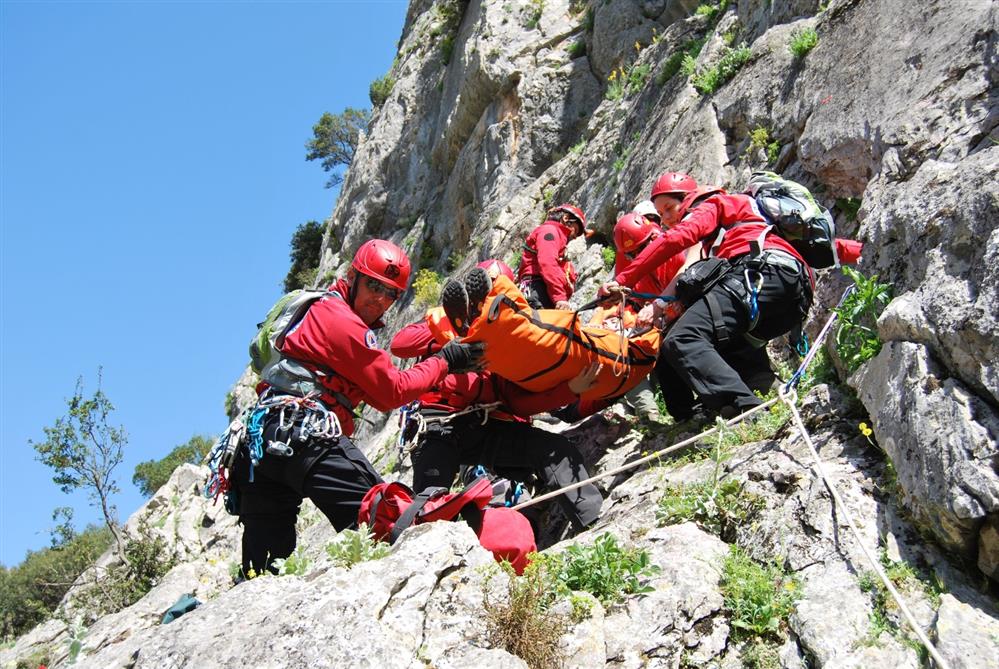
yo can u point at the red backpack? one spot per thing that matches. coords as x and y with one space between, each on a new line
389 508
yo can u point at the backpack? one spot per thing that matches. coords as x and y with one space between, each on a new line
265 349
795 215
389 508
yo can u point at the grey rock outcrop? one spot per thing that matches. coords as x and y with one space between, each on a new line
500 109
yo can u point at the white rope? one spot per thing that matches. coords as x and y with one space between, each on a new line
635 463
790 398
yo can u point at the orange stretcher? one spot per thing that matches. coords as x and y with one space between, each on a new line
539 349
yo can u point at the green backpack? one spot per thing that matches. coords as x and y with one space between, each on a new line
283 373
795 215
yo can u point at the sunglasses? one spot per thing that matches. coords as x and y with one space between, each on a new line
379 288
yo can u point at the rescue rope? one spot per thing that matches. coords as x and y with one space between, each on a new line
787 394
789 398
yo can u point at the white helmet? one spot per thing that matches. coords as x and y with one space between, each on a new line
646 208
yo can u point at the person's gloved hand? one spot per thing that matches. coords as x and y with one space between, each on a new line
463 356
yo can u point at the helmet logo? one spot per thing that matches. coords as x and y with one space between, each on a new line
391 272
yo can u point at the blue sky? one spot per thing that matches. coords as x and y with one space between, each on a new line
152 173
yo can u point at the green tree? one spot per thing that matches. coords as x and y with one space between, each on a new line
306 245
83 451
152 474
335 139
32 590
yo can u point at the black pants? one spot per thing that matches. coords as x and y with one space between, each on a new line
535 291
334 474
715 363
511 449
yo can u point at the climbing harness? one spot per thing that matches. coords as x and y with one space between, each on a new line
313 420
413 423
787 394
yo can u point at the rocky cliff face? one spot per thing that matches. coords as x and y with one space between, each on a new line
502 108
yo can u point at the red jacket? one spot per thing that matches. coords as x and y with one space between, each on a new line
458 391
701 225
544 257
656 281
332 336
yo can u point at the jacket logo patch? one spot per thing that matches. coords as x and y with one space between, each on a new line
549 237
369 339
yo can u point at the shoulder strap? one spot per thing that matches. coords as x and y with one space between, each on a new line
409 515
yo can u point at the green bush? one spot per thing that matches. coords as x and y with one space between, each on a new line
426 287
380 90
857 338
306 247
716 76
604 569
353 546
31 591
803 41
151 475
759 597
147 560
609 256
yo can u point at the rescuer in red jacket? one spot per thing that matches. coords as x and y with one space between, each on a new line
691 359
545 276
336 341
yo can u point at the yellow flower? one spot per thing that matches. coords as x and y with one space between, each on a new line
613 75
865 430
638 47
252 573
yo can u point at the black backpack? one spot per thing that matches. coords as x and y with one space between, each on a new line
795 215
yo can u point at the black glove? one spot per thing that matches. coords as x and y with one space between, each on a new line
463 357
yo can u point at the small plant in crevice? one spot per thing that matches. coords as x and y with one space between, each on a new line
849 206
577 49
621 161
713 78
623 82
578 148
295 564
532 17
857 338
685 54
426 287
802 41
521 620
718 505
759 139
759 597
885 615
351 547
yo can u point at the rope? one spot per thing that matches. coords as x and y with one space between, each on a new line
789 398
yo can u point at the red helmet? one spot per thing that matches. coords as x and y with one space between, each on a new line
676 184
632 230
384 261
570 209
498 266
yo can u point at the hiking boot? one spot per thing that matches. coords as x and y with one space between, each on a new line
454 299
477 287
